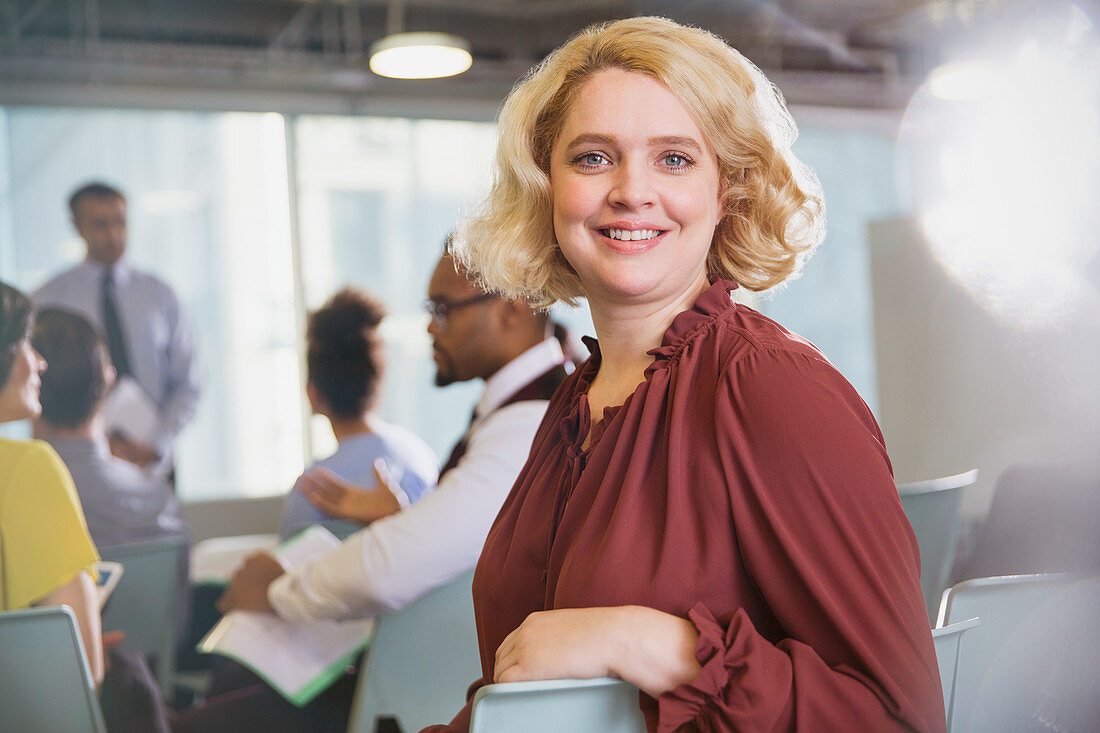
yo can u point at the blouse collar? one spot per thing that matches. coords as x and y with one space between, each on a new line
711 303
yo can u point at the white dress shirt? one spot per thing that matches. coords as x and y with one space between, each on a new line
159 343
394 560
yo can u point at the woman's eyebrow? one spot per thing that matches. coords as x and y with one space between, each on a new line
590 138
675 141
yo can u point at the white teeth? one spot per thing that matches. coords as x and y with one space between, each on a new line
632 235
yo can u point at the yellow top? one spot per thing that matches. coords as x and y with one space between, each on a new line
44 540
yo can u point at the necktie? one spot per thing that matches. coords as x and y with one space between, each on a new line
116 337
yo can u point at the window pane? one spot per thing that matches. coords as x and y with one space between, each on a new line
377 198
208 213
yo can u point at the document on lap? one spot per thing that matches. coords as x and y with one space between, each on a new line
299 660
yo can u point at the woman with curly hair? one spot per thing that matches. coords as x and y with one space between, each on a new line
708 510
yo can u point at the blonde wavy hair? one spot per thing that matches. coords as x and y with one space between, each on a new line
774 213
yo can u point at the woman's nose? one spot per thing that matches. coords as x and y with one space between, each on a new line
632 187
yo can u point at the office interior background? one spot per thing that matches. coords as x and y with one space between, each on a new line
957 141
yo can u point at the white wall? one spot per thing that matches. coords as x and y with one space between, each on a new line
959 387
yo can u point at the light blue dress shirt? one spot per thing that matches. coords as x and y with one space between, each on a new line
159 341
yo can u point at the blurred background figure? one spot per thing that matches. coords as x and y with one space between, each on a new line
122 503
148 337
344 363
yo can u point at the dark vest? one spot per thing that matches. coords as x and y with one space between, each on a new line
539 388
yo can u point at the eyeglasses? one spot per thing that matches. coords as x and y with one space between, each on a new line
440 310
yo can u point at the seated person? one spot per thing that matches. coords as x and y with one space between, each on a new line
122 503
344 363
48 558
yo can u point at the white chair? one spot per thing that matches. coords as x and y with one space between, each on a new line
601 705
45 683
146 603
1002 604
420 661
934 510
1046 676
948 641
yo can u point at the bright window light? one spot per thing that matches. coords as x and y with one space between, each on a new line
1006 155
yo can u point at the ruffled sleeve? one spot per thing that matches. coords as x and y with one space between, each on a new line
727 681
821 532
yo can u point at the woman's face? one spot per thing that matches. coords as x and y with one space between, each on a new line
635 192
19 395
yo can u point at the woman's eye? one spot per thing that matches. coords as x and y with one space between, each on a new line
590 160
676 160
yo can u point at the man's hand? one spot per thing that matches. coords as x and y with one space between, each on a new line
137 453
333 495
247 589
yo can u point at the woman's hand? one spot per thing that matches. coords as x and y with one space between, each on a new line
333 495
247 589
652 650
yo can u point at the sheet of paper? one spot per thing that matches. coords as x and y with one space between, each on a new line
132 412
214 560
299 660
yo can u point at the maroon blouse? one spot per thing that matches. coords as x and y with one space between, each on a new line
744 485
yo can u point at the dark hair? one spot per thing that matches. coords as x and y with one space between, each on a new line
95 190
344 353
16 320
76 384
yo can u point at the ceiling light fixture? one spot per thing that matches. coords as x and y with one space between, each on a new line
420 55
403 55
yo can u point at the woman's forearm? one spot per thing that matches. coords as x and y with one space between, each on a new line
79 594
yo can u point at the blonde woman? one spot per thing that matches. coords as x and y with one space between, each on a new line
708 510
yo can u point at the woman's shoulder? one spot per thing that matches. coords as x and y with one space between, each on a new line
744 330
34 462
737 340
32 455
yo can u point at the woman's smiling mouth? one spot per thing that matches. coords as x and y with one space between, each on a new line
631 235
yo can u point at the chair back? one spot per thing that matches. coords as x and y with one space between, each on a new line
948 642
45 683
420 661
1045 676
601 705
1002 603
934 509
147 604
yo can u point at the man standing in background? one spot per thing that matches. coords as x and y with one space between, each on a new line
141 320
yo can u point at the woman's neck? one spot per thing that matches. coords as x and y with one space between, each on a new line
346 427
627 332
